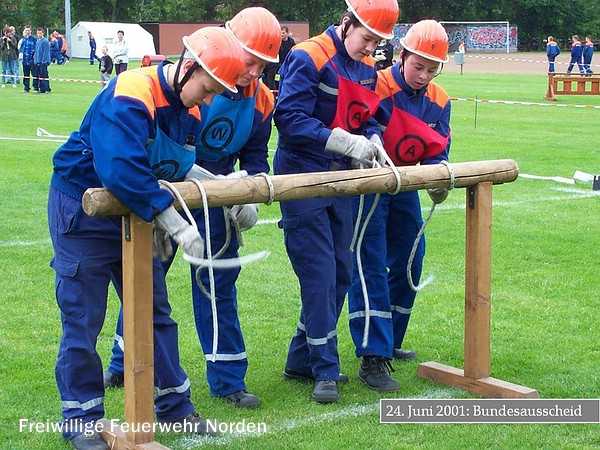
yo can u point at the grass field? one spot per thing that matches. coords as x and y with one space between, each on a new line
545 274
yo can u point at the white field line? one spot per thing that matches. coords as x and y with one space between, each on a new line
286 425
572 194
3 138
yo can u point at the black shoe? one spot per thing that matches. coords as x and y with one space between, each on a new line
243 399
194 424
404 355
290 375
325 391
375 373
91 441
113 379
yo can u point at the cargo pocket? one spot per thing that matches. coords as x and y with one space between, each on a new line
69 289
289 222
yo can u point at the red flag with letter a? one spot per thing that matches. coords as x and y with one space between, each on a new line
408 140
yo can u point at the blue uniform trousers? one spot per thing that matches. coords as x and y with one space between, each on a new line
384 252
87 257
226 374
317 235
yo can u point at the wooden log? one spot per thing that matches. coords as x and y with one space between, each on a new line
101 202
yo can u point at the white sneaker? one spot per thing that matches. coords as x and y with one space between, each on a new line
3 86
14 85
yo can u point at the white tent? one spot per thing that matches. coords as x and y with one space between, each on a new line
139 41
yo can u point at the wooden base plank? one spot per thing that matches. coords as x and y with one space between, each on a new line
486 387
117 439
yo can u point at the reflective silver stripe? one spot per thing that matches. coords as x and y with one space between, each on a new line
120 342
177 389
372 313
401 310
301 326
226 357
328 89
321 341
74 404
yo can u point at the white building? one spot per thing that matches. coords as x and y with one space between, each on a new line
139 41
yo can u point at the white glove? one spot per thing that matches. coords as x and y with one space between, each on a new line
161 247
186 235
199 173
245 215
437 195
381 153
234 175
355 146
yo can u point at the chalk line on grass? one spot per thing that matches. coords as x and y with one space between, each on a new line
286 425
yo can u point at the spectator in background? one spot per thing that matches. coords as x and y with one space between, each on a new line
93 56
106 67
272 69
8 53
41 59
62 46
552 51
16 68
576 54
55 55
588 52
120 50
384 54
26 50
462 48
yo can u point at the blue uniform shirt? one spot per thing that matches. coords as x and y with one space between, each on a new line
109 149
307 100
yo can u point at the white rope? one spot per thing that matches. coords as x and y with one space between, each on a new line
363 229
269 185
430 278
211 273
412 255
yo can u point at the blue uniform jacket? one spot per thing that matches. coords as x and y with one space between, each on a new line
552 50
307 99
588 51
576 50
253 156
109 150
27 49
42 51
430 104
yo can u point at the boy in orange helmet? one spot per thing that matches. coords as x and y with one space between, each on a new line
324 117
132 133
414 116
234 127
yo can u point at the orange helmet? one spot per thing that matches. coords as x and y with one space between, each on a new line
258 31
377 16
218 52
428 39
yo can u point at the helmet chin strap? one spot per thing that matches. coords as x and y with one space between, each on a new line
178 85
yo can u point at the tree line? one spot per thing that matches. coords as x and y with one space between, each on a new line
536 19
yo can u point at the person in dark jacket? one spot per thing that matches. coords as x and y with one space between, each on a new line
41 59
105 67
384 55
552 51
26 49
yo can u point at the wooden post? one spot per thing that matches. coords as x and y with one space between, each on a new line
478 259
139 339
478 280
550 92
